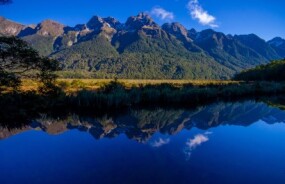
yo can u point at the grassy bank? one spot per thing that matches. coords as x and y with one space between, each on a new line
106 94
101 96
75 85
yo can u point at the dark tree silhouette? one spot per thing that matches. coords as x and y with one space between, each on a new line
18 60
2 2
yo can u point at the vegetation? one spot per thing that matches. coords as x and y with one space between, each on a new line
75 85
274 71
20 64
116 96
141 49
142 58
18 60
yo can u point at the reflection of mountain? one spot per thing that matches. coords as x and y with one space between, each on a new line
140 125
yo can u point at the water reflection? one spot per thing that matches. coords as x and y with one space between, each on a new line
242 142
191 144
141 125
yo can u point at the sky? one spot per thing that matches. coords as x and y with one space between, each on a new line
266 18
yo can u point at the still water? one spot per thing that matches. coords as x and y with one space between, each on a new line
240 142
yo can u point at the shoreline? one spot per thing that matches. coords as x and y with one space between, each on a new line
116 97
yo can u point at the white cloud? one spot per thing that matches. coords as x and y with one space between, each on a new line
198 140
198 13
160 142
191 144
162 13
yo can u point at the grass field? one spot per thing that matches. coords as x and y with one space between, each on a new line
73 85
101 95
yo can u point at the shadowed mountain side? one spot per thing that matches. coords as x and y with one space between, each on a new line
140 125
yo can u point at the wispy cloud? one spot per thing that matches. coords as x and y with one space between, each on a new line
162 13
198 13
160 142
198 140
191 144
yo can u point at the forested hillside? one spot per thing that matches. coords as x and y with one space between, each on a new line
140 48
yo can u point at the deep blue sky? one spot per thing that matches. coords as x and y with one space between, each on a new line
266 18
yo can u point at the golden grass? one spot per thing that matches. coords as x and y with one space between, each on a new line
73 85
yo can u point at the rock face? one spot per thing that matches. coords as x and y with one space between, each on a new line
50 28
140 48
9 28
140 21
178 30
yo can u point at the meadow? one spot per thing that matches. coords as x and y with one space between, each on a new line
75 85
100 96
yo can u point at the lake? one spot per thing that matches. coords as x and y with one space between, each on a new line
233 142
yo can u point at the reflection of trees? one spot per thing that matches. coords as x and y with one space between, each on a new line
140 125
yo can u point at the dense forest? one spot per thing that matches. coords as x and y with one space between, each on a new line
274 71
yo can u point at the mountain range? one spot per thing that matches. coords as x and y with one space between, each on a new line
141 125
140 48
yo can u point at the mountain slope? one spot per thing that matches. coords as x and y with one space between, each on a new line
146 51
279 45
259 45
9 28
230 51
140 48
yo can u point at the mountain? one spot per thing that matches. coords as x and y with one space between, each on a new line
9 28
259 45
140 48
235 52
279 45
182 34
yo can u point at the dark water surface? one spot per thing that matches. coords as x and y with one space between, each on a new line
220 143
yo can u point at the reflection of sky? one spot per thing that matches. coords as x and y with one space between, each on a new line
160 142
191 144
232 154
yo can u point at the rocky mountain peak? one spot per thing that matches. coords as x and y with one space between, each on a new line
211 34
253 38
50 28
2 18
80 27
114 23
277 42
140 21
108 25
9 28
177 30
95 23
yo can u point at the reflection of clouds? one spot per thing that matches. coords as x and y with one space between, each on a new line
208 133
191 144
198 140
160 142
